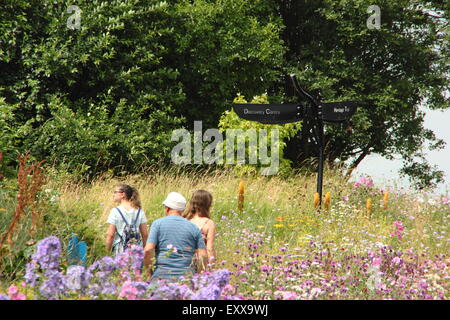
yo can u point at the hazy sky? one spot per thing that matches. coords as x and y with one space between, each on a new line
385 172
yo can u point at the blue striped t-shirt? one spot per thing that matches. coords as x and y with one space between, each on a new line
176 240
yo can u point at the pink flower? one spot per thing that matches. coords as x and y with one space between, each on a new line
365 182
399 228
445 200
228 289
14 293
12 290
128 291
399 225
289 295
423 284
396 260
266 268
376 262
381 286
346 197
19 296
172 248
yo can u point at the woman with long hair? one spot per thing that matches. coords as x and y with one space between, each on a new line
198 212
128 215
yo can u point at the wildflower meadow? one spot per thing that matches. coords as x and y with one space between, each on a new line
273 242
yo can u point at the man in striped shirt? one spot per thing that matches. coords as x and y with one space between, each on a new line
174 240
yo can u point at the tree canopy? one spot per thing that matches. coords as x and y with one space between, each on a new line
393 70
107 93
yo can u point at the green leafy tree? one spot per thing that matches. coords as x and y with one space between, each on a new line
223 47
109 92
393 70
230 120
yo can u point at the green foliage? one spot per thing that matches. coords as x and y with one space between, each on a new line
10 132
392 70
95 141
230 120
224 47
107 95
164 64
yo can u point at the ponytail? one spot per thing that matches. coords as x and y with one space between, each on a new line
135 199
131 194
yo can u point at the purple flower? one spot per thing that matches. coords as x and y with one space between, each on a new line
108 288
128 291
133 290
171 291
266 268
77 278
211 292
423 284
221 277
132 257
47 253
3 297
53 286
31 276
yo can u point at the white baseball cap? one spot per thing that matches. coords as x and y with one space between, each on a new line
175 201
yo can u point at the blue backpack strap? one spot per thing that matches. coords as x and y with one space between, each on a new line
137 217
126 223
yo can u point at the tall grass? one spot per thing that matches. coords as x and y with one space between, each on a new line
279 209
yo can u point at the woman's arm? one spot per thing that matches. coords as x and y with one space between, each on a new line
202 257
210 236
144 233
110 233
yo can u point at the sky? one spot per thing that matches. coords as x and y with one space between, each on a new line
385 172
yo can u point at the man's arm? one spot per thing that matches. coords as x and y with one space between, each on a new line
149 252
202 256
144 233
110 233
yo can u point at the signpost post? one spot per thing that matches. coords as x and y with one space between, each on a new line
292 112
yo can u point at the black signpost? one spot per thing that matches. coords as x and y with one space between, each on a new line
292 112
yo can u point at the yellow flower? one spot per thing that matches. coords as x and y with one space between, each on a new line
369 205
385 199
327 201
241 196
316 199
260 227
241 187
278 225
3 210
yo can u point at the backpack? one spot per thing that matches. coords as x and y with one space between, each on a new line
131 233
